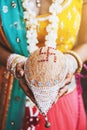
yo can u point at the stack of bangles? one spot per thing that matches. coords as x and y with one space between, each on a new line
12 62
78 60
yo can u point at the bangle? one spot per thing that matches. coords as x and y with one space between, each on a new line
12 61
79 61
71 63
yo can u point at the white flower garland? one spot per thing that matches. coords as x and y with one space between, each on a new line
32 23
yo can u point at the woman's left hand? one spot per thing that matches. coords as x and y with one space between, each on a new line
64 89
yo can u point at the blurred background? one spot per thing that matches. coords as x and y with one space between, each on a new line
84 87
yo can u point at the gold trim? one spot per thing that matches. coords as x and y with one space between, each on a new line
78 59
7 100
3 39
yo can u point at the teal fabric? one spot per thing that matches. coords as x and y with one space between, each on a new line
14 27
16 109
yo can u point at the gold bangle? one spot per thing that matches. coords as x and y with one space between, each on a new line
78 59
15 60
12 61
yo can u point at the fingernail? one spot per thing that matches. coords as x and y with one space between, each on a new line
59 94
21 73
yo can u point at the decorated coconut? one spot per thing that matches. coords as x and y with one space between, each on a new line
45 72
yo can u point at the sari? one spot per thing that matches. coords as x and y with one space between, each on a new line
13 36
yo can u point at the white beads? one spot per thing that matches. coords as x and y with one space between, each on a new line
45 97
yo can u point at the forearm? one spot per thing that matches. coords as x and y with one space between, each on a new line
81 48
4 54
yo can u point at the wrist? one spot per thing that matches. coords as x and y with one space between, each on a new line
73 61
12 62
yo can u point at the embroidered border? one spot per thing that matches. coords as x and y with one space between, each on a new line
5 95
3 39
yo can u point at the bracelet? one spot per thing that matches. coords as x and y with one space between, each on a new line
12 61
79 61
71 64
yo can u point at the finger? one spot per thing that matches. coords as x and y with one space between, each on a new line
20 70
20 73
20 65
68 79
62 91
27 91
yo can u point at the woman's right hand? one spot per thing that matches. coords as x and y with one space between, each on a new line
22 81
26 89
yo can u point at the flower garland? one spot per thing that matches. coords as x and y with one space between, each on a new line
31 23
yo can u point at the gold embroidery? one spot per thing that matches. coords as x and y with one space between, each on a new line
7 88
3 39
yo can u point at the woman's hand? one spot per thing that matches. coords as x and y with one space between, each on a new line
26 89
64 89
20 70
23 84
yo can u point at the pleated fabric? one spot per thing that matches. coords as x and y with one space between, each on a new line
66 114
